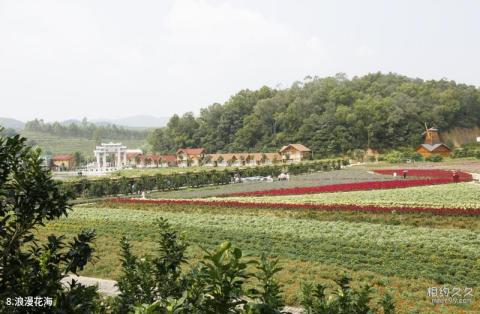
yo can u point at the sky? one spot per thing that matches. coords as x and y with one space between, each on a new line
101 59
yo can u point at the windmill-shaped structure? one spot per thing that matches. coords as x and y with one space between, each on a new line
432 144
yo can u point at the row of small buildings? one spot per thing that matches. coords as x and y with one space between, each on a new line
188 157
195 157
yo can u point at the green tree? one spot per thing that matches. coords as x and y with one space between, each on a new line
345 300
30 198
97 136
160 141
152 278
267 298
79 159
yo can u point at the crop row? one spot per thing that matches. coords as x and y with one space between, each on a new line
430 177
458 195
175 181
345 207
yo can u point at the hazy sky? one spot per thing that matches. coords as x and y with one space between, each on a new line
110 58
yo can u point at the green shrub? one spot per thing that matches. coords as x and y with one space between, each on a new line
416 156
472 150
29 199
396 156
345 301
148 279
434 158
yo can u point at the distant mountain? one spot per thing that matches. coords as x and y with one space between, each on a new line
11 123
137 122
140 121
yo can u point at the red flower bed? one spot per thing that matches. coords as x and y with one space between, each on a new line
430 177
345 207
428 173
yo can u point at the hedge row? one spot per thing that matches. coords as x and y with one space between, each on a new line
175 181
466 152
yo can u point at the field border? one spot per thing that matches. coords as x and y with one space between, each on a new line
327 207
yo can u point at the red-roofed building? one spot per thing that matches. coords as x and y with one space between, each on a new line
151 160
134 159
187 157
169 160
295 153
242 159
63 162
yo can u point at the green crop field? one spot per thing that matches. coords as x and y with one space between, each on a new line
404 254
465 195
66 145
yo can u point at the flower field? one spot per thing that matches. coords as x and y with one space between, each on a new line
282 204
314 179
430 177
461 195
428 173
430 194
403 240
406 257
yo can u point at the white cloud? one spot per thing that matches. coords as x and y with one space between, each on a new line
223 39
365 51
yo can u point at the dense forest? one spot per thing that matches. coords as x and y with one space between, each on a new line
85 129
332 116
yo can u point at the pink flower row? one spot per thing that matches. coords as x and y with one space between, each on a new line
328 207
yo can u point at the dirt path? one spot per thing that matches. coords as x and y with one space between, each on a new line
105 286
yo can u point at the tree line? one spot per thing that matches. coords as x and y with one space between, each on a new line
332 116
85 129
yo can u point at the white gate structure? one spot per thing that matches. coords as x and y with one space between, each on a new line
119 152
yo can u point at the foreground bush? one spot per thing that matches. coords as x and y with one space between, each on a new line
344 301
28 268
217 284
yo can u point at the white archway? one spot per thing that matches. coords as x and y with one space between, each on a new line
117 149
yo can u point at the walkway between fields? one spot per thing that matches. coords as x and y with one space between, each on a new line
105 286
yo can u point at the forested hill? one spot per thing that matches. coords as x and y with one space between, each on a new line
330 115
